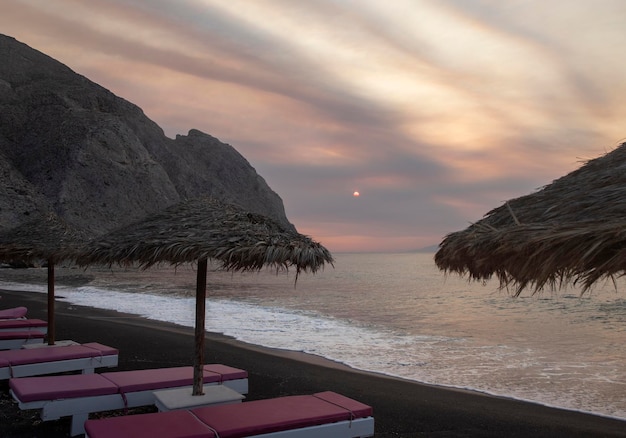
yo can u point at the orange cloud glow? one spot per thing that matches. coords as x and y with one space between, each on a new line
438 110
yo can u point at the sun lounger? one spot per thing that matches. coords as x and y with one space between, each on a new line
79 395
8 325
325 414
13 340
13 313
56 359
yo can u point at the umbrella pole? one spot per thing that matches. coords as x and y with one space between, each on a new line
51 333
198 374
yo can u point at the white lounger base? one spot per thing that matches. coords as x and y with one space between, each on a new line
86 365
15 344
358 428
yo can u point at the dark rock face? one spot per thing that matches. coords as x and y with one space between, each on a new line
70 146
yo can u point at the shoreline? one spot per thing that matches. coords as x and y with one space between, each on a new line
402 408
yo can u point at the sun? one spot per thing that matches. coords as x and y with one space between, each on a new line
356 194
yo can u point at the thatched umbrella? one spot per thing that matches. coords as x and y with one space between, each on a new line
201 229
572 230
47 238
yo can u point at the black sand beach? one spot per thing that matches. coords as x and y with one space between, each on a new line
401 408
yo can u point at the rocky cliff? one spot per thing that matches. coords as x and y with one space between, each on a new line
71 146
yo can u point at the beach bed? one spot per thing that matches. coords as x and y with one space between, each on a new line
13 340
79 395
325 414
22 324
56 359
13 313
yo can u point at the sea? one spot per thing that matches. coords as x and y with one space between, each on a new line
392 314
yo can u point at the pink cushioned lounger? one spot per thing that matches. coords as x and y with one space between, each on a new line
154 379
30 389
79 395
13 313
326 414
56 359
67 352
5 336
23 324
14 340
273 415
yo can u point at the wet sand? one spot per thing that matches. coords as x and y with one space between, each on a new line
401 408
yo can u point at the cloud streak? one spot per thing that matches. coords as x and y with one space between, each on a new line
436 111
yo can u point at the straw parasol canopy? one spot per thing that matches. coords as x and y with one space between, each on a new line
48 238
571 231
200 229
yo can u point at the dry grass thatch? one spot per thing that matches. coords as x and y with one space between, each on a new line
44 238
205 228
572 230
201 229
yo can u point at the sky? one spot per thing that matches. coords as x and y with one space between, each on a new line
435 111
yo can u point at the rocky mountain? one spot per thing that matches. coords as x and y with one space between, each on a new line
71 146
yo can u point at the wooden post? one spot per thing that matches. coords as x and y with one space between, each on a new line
51 332
198 365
